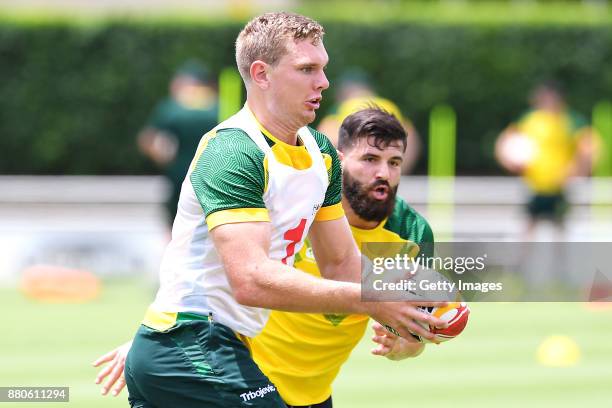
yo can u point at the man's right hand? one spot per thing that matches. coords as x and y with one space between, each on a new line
116 358
404 317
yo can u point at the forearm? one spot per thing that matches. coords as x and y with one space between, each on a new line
348 269
274 285
256 280
334 248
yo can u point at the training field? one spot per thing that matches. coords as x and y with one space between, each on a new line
493 363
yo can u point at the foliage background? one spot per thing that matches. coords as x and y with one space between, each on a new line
75 92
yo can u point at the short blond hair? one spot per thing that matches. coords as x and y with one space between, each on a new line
264 38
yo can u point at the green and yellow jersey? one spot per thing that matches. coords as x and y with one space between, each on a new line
302 353
242 173
554 137
230 175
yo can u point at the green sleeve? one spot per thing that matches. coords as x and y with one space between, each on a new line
229 173
412 226
333 195
427 238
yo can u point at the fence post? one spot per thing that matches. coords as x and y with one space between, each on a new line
230 93
441 166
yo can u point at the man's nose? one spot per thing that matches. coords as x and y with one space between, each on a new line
382 172
322 81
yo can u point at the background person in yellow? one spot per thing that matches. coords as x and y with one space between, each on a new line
302 353
354 93
547 146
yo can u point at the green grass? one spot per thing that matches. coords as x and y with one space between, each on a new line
54 344
491 364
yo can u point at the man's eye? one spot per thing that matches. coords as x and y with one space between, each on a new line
306 70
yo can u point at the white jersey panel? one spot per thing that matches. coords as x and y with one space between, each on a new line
192 278
293 198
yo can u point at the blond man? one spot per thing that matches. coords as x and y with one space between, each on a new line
258 184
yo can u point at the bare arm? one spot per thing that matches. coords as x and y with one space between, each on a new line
159 146
588 149
258 281
337 256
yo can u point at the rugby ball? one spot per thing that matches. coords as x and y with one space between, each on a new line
456 314
518 150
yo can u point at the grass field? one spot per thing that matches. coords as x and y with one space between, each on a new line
492 364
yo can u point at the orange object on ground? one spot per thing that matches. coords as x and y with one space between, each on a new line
57 284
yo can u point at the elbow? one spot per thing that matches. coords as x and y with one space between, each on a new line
249 286
244 295
245 291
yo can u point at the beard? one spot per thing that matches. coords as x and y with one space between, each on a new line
362 204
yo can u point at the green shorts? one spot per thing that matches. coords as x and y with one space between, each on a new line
196 363
552 207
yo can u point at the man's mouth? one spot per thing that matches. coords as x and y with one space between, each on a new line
380 192
314 103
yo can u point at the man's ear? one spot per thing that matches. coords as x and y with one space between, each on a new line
259 74
341 157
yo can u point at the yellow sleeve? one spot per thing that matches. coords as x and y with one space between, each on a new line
236 215
332 212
